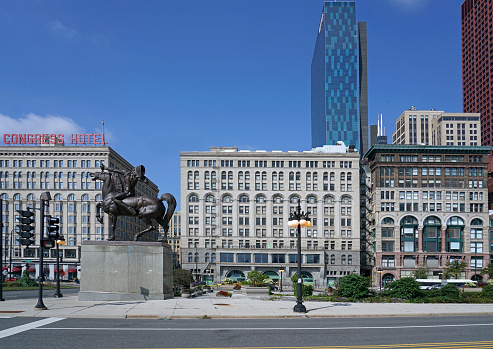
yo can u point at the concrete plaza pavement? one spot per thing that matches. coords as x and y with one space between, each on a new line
238 306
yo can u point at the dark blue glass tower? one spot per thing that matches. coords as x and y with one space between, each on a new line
339 90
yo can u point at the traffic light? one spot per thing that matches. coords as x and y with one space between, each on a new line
53 229
25 228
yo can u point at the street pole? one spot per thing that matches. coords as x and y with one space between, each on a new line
45 197
11 248
299 219
58 294
2 252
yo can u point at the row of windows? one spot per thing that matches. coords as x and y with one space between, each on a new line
432 207
293 199
274 163
431 171
431 158
56 197
47 163
430 183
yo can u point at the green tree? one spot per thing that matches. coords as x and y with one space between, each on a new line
405 288
455 268
26 279
353 286
421 272
488 270
182 278
256 278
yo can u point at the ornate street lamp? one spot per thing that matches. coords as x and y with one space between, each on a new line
299 219
60 241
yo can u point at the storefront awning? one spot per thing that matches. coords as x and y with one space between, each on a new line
59 270
16 269
32 270
72 270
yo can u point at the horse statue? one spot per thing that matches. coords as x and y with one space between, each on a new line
145 207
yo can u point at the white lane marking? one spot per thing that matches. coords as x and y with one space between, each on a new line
259 329
29 326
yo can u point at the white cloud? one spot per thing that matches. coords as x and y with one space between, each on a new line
57 28
32 123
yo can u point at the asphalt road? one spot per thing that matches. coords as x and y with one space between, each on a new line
7 295
384 332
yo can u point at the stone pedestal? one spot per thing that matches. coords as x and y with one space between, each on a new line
126 270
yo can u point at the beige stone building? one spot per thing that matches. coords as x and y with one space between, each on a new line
436 127
236 204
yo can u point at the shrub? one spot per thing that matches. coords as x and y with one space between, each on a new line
306 290
227 281
237 287
186 290
470 284
182 278
487 291
405 288
256 278
223 294
353 286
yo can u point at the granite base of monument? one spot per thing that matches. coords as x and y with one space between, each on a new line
126 271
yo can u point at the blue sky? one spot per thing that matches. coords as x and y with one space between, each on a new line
170 76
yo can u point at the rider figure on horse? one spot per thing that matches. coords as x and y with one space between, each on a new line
130 179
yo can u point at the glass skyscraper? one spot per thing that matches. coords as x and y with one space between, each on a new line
339 90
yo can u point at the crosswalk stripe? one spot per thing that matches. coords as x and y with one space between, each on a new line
18 329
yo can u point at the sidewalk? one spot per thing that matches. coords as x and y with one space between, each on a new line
238 306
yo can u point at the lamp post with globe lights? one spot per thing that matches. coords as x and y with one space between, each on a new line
299 219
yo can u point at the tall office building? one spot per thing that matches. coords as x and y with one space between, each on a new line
435 127
477 63
339 89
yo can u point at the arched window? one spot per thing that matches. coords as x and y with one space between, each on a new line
190 257
213 257
329 199
99 197
227 198
207 257
71 197
277 199
31 197
432 241
332 259
17 197
349 259
210 198
311 199
409 234
260 199
196 257
294 199
349 176
85 197
58 197
189 175
345 200
343 259
193 198
455 234
476 221
4 197
388 220
244 198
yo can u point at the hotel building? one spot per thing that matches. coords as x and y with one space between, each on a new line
28 171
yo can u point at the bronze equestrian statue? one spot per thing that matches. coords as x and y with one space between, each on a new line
119 200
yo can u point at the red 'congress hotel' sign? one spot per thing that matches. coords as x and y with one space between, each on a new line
44 138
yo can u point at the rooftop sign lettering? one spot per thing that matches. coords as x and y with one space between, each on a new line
53 139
